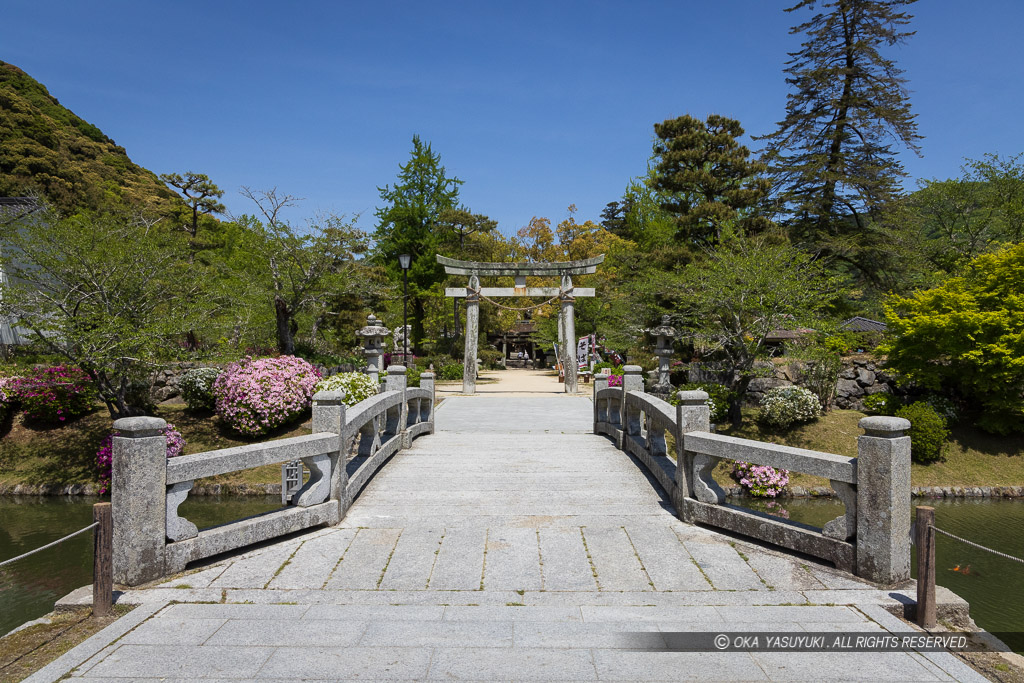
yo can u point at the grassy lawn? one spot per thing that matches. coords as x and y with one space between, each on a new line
40 454
972 457
43 454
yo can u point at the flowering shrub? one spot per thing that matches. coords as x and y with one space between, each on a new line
6 397
881 403
356 386
53 394
196 387
783 407
761 481
256 396
105 455
614 380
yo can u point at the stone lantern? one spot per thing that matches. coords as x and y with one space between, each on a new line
373 345
665 333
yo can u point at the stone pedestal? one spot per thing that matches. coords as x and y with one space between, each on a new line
883 499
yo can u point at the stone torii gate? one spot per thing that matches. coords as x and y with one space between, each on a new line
566 295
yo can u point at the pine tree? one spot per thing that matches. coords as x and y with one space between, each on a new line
407 224
832 155
710 185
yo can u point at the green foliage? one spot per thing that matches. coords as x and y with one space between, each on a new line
729 302
819 366
355 386
783 407
612 367
53 395
490 358
832 153
408 225
709 183
967 336
450 371
111 297
927 433
196 387
881 403
46 149
412 376
719 398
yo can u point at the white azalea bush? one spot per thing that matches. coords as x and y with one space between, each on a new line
355 386
784 407
196 387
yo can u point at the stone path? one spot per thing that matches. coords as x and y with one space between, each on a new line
511 545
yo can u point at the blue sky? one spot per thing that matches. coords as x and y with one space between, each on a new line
535 105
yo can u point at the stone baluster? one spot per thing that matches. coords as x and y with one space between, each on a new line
883 500
427 411
632 380
396 417
329 417
600 406
692 415
138 496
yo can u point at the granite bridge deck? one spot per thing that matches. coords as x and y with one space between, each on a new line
513 544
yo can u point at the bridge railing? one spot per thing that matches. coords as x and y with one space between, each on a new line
152 540
871 538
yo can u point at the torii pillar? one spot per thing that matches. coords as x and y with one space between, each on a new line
567 326
472 335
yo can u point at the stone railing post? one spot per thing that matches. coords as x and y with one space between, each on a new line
396 381
692 415
600 411
632 380
427 382
139 499
329 417
883 500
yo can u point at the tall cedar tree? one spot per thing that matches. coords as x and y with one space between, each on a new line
407 225
832 155
712 186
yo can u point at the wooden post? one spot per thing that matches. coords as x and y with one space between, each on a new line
924 537
103 560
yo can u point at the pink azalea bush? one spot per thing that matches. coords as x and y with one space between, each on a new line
105 455
615 380
53 394
255 397
760 481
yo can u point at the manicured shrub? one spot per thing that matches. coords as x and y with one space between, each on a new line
719 397
605 365
196 387
614 380
450 371
412 376
927 433
356 386
105 454
54 394
760 481
783 407
881 403
254 397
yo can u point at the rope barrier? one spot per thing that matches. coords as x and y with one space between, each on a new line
975 545
50 545
513 308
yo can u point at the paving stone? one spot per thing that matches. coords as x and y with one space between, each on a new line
364 562
723 566
785 614
616 563
284 612
511 613
608 634
137 661
255 571
513 559
375 612
565 564
619 665
413 559
460 561
781 573
665 559
197 579
304 632
174 631
526 664
438 634
312 663
700 615
314 561
864 666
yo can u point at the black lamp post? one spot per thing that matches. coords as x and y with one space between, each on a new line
404 260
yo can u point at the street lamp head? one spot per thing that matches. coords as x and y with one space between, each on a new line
404 260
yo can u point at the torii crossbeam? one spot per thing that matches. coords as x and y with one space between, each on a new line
520 271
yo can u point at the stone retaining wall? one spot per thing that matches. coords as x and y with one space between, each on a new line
859 377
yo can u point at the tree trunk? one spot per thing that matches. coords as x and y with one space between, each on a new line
285 341
736 405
